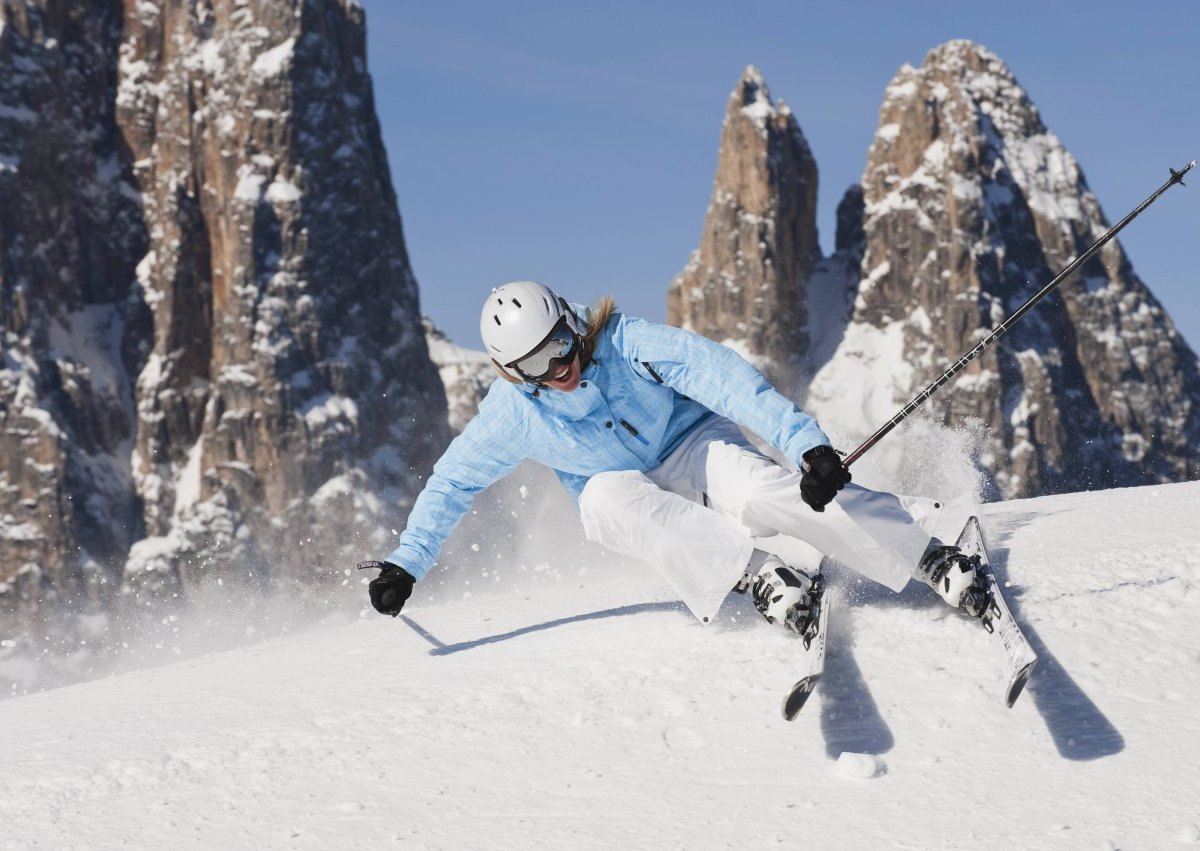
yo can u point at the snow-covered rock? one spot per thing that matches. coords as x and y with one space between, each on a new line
466 373
211 338
971 205
968 206
746 286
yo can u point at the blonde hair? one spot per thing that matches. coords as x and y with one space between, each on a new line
600 315
597 319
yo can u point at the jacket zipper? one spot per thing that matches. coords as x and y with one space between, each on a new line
634 432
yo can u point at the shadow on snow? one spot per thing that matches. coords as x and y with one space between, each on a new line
1078 727
440 648
850 718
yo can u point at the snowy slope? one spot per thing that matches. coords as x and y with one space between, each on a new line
594 713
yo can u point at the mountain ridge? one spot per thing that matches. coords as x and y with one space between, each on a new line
967 206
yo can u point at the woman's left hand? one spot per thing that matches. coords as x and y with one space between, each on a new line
824 475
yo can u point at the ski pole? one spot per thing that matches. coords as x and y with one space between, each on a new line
1176 177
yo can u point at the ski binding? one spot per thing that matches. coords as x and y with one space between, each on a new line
1003 632
814 653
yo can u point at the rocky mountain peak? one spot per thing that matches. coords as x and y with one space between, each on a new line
211 339
745 286
970 205
755 99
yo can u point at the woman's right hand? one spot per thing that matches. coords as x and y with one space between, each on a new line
391 589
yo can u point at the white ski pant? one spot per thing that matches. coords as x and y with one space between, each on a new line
696 516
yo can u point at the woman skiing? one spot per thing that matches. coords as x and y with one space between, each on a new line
640 423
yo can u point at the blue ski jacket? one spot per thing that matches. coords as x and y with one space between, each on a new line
646 387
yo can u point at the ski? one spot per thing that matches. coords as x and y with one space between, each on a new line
1003 632
814 654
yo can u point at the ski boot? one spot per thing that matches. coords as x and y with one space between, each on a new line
955 577
783 595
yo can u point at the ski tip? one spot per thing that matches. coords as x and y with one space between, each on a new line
1018 683
798 696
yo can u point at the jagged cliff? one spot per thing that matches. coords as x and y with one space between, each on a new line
971 206
968 205
213 358
467 374
746 285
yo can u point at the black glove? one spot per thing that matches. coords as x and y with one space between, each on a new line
824 475
390 589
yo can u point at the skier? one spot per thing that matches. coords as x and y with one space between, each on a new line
640 423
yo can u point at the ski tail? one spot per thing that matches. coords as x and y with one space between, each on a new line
1003 631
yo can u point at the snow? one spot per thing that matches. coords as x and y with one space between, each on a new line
595 712
329 411
967 189
333 489
249 186
466 374
760 110
830 301
18 113
270 63
906 88
20 532
888 133
1047 175
206 58
153 554
188 485
238 374
869 380
283 191
91 338
860 766
443 352
136 85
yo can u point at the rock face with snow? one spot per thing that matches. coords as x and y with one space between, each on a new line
746 285
213 359
466 374
970 206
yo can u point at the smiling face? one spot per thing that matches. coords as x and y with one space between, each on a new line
565 378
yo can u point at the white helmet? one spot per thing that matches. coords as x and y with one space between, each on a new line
518 318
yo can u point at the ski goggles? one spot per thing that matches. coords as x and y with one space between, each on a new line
556 350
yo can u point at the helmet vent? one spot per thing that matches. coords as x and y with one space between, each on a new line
517 303
497 318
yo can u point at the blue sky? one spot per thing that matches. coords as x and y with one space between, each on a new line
575 143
